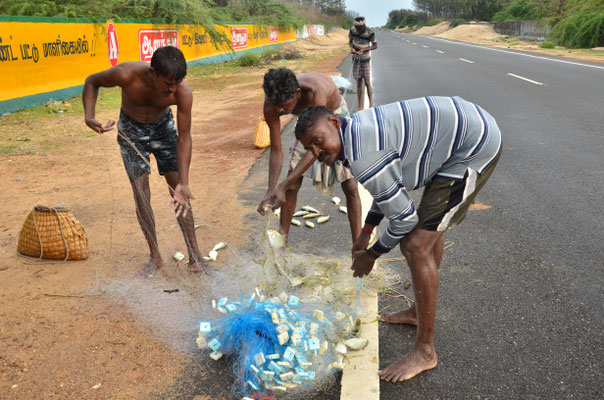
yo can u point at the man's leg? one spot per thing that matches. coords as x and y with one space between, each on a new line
360 93
353 203
146 220
418 248
187 226
369 89
289 207
409 315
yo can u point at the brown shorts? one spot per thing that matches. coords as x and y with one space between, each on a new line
446 201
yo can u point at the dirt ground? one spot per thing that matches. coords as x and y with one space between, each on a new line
61 336
486 35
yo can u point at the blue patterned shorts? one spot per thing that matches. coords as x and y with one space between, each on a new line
158 138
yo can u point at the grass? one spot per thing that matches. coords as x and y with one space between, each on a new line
547 44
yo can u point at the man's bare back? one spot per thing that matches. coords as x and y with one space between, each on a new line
317 90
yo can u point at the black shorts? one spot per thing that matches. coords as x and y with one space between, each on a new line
158 138
445 201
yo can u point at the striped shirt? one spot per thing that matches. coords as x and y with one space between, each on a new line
401 146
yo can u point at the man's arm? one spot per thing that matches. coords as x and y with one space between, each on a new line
276 157
275 161
182 194
116 76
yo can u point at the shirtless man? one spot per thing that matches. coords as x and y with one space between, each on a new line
288 93
146 121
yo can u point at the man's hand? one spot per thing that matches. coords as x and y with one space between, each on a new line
273 199
362 263
180 200
98 127
362 242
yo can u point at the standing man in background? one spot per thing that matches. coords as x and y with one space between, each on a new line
361 42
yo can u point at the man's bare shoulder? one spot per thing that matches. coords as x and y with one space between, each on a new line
184 95
315 85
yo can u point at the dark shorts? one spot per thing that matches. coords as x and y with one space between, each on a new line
361 69
158 138
446 201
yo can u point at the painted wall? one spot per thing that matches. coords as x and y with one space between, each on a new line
49 58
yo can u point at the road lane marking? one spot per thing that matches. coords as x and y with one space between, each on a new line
414 43
423 45
468 61
441 52
525 79
521 54
360 379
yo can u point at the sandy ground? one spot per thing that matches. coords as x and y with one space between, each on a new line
484 34
62 336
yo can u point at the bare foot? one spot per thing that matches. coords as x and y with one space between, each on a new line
406 317
150 267
412 364
198 267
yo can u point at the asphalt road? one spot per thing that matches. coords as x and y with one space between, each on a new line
521 302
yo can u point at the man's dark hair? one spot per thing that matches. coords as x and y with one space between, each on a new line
359 19
169 61
309 117
280 85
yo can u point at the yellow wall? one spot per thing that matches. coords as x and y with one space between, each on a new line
42 57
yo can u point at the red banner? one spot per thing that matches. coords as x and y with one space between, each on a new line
150 40
239 37
273 35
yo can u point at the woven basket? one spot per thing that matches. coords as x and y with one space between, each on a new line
53 233
262 137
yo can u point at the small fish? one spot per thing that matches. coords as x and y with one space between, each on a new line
310 224
341 348
178 256
343 210
275 239
197 226
324 219
336 200
213 255
207 258
310 209
356 343
219 246
300 213
296 222
277 212
312 215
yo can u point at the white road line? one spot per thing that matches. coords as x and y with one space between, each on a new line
360 379
522 54
525 79
468 61
441 52
423 45
414 43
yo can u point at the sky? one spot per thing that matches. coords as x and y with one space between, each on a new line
376 11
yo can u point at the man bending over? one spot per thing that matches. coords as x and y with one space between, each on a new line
445 144
146 122
288 93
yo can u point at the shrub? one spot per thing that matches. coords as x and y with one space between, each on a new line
456 22
250 59
584 29
546 44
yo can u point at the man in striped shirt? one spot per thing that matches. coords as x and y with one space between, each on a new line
445 144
